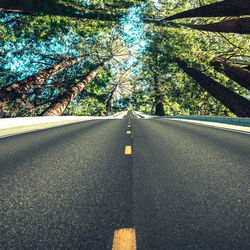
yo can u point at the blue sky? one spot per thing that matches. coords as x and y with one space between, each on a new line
133 33
29 62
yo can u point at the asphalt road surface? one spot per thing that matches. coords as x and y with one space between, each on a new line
182 187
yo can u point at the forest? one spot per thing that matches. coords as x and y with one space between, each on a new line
97 57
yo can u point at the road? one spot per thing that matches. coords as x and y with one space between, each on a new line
182 187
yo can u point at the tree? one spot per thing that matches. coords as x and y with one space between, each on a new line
237 104
110 100
31 28
52 7
159 107
121 83
241 75
182 94
59 105
111 49
239 25
15 90
67 9
219 9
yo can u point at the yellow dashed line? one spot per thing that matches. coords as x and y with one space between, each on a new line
128 150
129 126
124 239
128 132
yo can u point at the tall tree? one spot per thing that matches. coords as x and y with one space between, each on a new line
52 7
59 105
110 100
238 25
121 84
67 9
15 90
237 104
159 107
241 75
219 9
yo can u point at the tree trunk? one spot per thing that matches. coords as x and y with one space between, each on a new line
239 25
31 7
108 107
119 4
15 90
111 99
20 6
237 104
159 109
219 9
59 105
237 74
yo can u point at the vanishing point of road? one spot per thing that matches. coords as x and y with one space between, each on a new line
153 184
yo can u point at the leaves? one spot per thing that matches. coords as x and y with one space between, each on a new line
97 30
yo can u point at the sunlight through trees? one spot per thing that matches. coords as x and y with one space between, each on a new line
95 57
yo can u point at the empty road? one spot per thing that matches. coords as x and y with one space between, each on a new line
179 186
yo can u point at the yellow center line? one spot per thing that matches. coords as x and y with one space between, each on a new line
124 239
128 132
129 126
128 150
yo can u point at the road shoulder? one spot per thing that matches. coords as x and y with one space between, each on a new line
224 126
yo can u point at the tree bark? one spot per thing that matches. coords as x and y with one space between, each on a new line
60 104
239 25
111 99
237 74
219 9
122 4
237 104
15 90
159 109
31 7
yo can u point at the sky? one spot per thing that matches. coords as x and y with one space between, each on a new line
133 31
29 62
30 59
134 34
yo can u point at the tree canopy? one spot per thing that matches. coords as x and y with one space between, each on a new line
173 57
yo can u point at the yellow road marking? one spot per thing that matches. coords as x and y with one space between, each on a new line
128 132
124 239
128 150
129 126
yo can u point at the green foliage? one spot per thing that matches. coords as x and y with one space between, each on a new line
181 95
93 37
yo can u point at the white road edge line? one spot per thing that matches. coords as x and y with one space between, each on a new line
206 125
